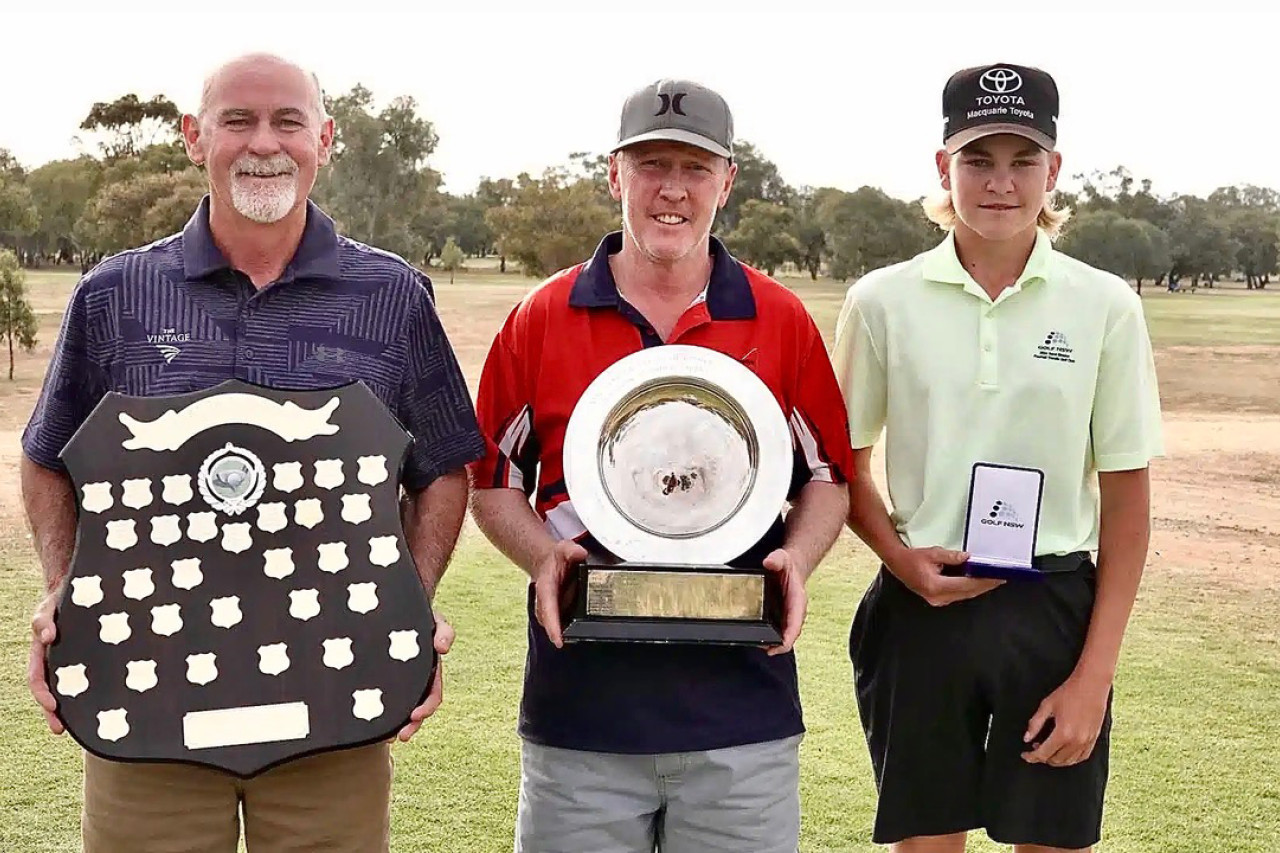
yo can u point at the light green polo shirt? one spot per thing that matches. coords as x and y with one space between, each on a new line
1056 374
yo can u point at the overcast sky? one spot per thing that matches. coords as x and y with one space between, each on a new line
835 98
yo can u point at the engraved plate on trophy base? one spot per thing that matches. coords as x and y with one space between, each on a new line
669 604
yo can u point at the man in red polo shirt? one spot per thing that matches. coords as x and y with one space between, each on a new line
628 747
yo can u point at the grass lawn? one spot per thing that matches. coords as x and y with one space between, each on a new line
1195 767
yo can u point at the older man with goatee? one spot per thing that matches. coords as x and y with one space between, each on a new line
256 287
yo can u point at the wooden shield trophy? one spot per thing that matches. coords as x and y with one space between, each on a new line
241 592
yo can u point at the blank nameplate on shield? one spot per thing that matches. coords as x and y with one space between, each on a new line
241 726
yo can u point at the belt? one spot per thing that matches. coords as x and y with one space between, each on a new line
1060 563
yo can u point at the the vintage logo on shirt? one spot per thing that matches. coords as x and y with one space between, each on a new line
167 343
1056 348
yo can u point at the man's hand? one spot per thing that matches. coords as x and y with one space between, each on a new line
920 569
550 592
1077 709
795 599
442 641
43 633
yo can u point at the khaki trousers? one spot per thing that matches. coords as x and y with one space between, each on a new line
335 801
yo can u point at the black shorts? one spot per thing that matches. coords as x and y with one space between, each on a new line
945 694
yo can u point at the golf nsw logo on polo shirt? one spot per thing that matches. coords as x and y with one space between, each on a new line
1003 514
1055 347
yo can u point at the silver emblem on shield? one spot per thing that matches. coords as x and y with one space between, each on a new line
232 479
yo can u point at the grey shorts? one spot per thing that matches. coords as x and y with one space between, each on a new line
743 799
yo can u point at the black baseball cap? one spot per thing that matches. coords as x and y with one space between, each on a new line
1001 98
678 111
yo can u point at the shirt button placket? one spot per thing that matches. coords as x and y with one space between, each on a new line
988 375
244 353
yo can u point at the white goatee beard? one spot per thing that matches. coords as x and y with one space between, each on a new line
264 201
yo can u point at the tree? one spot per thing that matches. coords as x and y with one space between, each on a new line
1155 261
1200 242
17 320
140 210
1256 232
451 257
378 187
757 177
1252 215
595 168
807 231
551 222
1131 248
763 236
424 230
1114 190
495 194
171 212
127 125
1247 196
9 165
868 229
18 214
160 159
61 190
464 221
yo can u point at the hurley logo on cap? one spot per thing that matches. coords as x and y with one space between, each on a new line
671 102
1002 98
677 111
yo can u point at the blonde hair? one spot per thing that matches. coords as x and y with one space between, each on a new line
941 211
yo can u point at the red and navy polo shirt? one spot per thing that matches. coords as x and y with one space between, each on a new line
639 698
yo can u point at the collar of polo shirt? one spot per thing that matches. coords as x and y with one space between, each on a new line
315 258
727 294
942 264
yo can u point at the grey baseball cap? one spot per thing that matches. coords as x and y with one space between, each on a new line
678 111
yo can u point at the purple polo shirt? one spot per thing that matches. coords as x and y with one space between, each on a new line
174 317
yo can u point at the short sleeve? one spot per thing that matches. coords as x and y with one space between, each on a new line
819 428
504 409
1126 426
76 381
859 366
435 405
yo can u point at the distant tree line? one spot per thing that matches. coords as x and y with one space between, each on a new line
134 184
